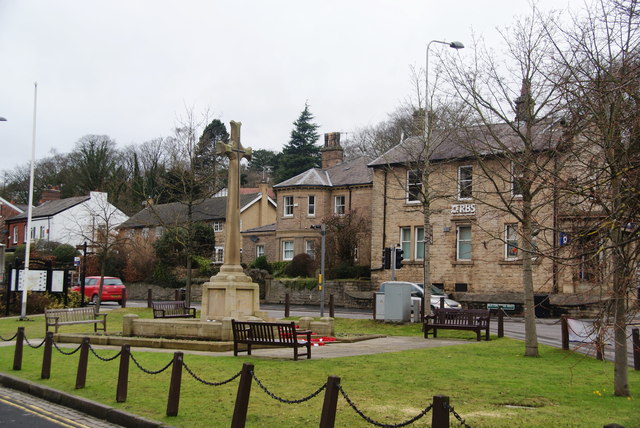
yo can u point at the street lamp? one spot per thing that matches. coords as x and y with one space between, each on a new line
427 103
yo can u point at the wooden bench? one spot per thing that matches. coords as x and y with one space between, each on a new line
57 317
458 319
271 334
177 309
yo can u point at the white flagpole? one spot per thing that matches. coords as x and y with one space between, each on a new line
25 279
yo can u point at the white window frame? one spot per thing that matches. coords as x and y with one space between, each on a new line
405 244
510 240
311 206
413 184
259 250
33 233
286 250
419 243
310 248
15 234
465 183
42 233
218 255
287 206
460 241
342 205
25 233
218 225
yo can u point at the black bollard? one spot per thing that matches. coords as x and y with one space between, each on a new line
636 348
17 355
242 398
328 416
123 374
173 402
149 298
332 312
564 328
46 356
83 361
286 305
440 413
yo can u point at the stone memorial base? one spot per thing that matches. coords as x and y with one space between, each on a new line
231 294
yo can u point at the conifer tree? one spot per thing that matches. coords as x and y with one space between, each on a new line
301 153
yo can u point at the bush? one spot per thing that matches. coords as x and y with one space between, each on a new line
300 283
204 265
163 275
261 263
344 271
64 253
302 265
38 301
278 268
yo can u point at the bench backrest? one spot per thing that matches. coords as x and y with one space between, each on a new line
470 317
266 332
71 314
170 308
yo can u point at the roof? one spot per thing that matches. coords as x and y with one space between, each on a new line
176 212
348 173
51 208
266 228
12 205
467 142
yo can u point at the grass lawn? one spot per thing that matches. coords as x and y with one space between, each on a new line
482 379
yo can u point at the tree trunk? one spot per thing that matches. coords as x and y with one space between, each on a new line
620 280
531 335
96 309
426 265
188 283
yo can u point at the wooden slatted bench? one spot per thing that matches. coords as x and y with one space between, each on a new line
177 309
458 319
272 334
57 317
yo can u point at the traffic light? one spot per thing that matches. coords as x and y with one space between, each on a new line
399 258
386 258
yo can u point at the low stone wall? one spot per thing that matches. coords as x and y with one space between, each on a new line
348 294
138 291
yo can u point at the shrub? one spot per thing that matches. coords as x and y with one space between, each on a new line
300 283
64 253
278 268
261 263
204 265
302 265
344 271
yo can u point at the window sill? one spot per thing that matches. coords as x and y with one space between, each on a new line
462 263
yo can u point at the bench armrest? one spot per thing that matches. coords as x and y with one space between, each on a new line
52 317
102 315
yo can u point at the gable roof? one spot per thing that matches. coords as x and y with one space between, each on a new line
176 212
51 208
266 228
16 207
344 174
468 142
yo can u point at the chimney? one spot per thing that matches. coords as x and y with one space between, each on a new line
524 103
49 194
264 203
418 122
332 152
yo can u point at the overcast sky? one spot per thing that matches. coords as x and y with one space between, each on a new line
128 69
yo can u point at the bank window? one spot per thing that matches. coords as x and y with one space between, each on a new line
311 205
414 185
517 178
339 205
218 226
287 250
463 238
511 241
419 233
288 206
259 250
465 182
405 242
310 248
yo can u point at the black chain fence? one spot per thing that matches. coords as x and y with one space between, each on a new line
382 424
151 372
34 346
456 415
199 379
55 345
283 400
103 358
10 339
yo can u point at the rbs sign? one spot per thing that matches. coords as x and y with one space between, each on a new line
463 209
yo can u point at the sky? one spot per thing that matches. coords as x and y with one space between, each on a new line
132 69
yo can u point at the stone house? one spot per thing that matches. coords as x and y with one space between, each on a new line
475 252
256 209
311 197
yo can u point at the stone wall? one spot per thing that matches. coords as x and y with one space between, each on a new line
348 294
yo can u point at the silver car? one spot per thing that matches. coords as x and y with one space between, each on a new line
418 291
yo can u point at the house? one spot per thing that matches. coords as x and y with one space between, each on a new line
256 209
69 221
476 248
337 188
7 210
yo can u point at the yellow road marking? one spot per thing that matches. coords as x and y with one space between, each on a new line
43 413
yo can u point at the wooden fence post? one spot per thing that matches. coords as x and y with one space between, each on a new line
149 297
81 376
173 401
439 413
332 312
17 355
500 323
636 348
564 328
123 374
328 416
242 398
286 305
46 356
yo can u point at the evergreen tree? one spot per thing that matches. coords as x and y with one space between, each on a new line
301 153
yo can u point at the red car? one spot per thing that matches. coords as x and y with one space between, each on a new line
113 289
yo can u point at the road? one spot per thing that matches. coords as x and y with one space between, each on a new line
548 329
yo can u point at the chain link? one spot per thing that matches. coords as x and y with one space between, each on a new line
151 372
66 353
456 415
35 347
9 340
196 377
103 358
380 424
283 400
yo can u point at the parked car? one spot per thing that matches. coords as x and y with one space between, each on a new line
436 293
112 291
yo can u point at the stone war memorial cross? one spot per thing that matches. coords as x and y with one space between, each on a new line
231 293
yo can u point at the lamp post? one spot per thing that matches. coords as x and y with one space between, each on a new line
427 103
